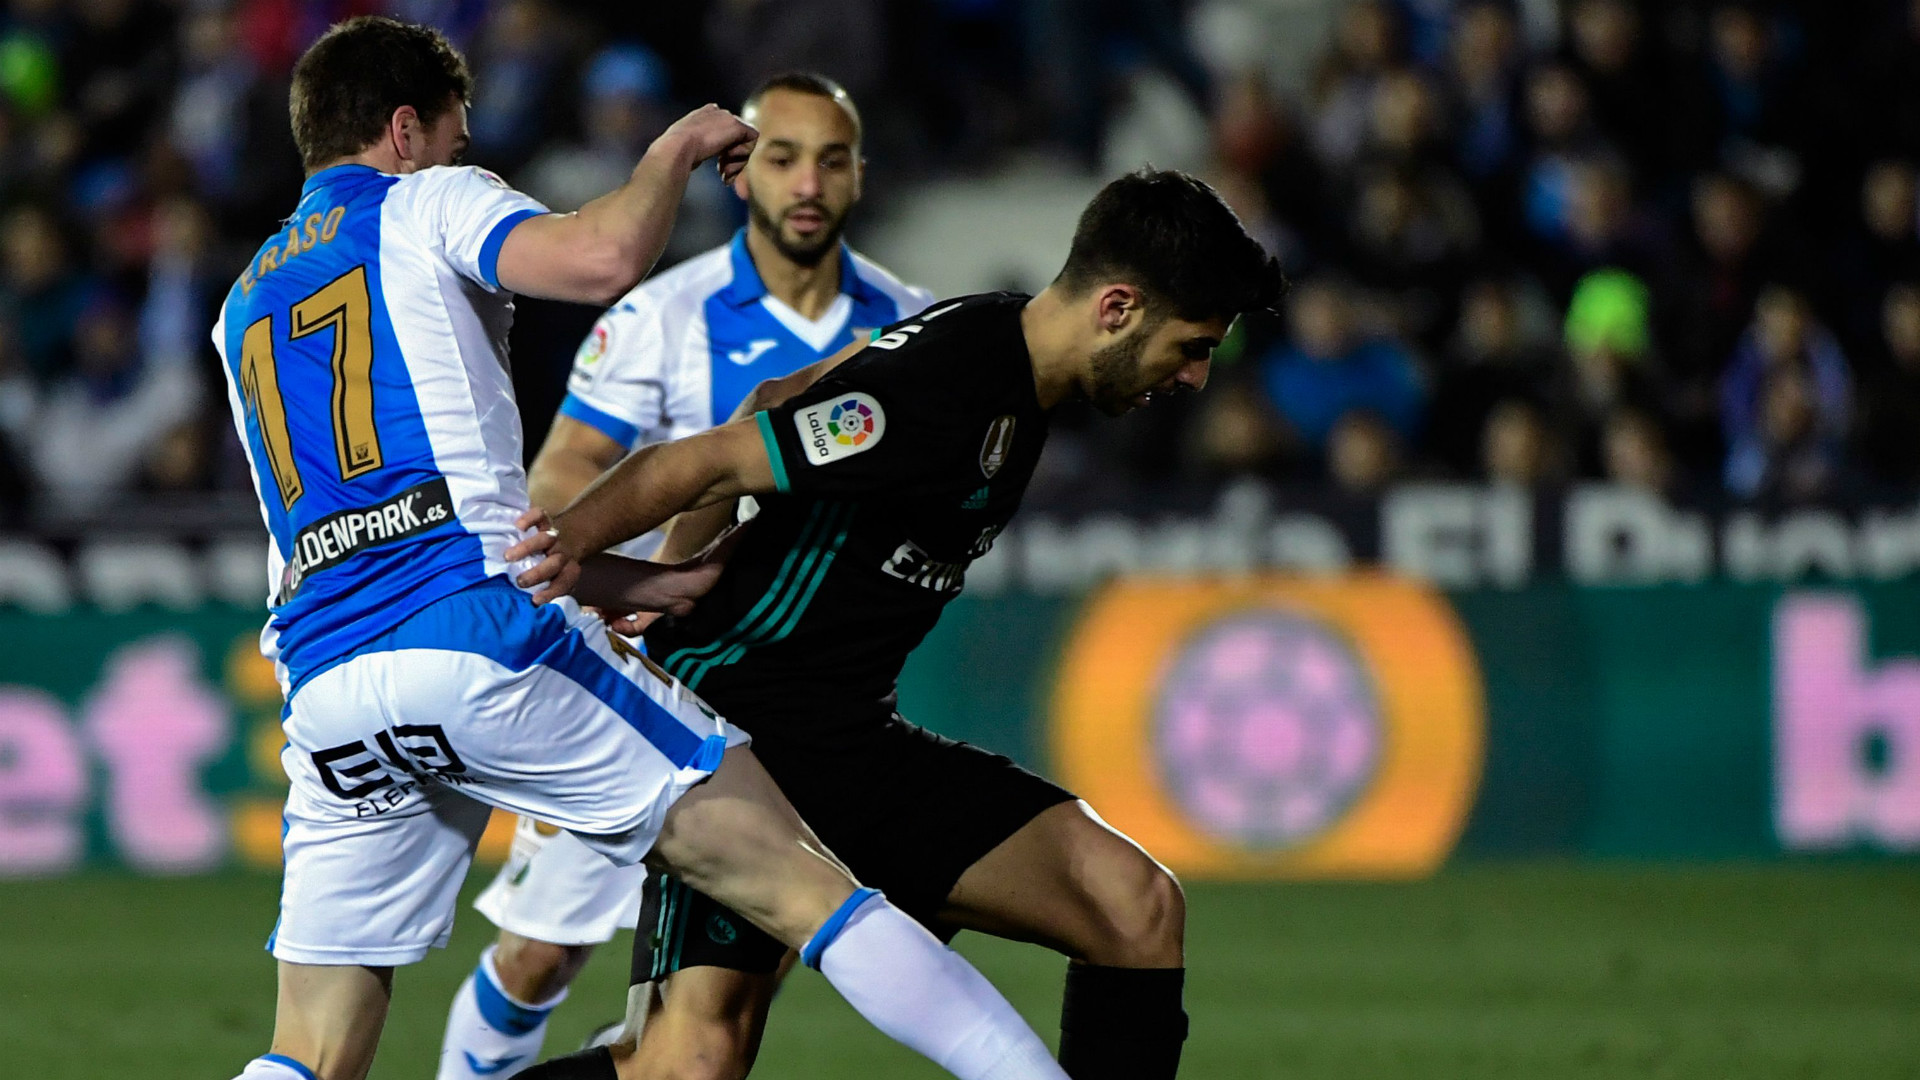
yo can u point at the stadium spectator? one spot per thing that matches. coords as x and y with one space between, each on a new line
1516 448
521 54
90 433
1890 393
1363 454
1886 247
1261 155
208 118
1331 367
1747 109
1365 48
1609 336
623 106
1493 357
1722 276
1561 136
41 291
748 40
1786 402
1487 138
1607 51
1237 434
1635 452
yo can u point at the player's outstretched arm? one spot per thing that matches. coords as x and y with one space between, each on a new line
571 458
639 494
594 255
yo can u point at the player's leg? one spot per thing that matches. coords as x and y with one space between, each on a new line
373 865
554 900
1070 881
737 839
635 765
707 1027
326 1023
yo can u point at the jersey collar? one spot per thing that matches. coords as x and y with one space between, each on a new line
334 175
747 287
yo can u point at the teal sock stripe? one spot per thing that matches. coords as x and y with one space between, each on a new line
795 591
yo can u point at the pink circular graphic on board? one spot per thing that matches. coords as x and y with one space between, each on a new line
1267 728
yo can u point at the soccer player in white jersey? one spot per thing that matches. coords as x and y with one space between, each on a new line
365 350
674 357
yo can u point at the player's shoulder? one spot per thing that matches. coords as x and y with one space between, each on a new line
941 349
685 286
908 299
443 179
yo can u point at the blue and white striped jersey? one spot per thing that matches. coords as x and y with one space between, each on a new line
678 354
365 350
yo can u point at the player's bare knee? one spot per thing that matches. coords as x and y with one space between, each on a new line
1140 910
532 970
749 858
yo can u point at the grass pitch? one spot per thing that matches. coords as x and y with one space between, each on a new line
1526 970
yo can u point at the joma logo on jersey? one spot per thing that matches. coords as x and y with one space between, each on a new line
840 427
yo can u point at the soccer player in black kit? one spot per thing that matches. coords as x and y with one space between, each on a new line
880 474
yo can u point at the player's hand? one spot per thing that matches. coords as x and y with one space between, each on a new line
712 132
627 587
630 625
558 569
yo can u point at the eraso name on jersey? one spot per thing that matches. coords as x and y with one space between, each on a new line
339 536
318 230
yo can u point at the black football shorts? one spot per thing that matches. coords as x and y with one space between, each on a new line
907 810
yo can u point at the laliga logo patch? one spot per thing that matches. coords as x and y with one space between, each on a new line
840 428
595 347
851 423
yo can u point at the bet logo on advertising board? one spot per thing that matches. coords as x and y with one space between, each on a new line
1274 727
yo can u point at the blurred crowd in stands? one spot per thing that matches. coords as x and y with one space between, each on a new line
1675 245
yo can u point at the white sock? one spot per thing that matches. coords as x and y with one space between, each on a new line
925 995
490 1034
275 1067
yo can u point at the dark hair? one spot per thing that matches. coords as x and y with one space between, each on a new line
1173 238
808 82
347 84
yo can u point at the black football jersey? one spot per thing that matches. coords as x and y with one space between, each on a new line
895 472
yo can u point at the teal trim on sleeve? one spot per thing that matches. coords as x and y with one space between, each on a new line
773 452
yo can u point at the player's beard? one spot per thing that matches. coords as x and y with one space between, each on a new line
806 252
1115 371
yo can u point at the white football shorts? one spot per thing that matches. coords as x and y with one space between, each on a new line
556 889
481 699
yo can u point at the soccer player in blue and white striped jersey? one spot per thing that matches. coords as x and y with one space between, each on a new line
365 350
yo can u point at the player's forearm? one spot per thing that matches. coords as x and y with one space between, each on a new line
629 226
642 493
691 532
557 478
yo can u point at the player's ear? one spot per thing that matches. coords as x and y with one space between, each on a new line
740 185
1118 305
403 127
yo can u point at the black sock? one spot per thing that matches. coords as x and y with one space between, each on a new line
594 1064
1122 1022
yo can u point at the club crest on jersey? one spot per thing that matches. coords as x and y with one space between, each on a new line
993 452
840 427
